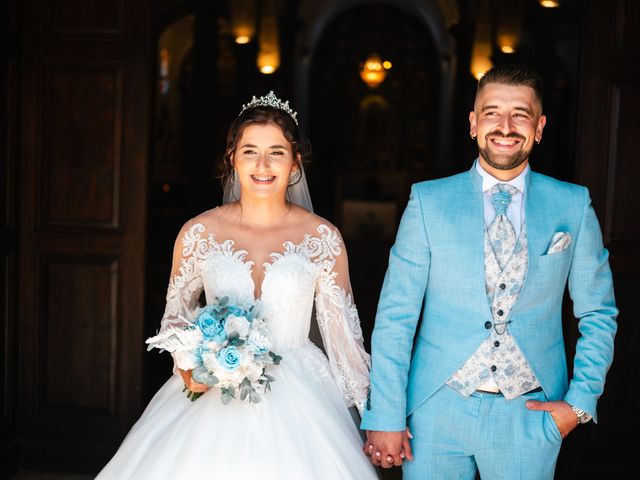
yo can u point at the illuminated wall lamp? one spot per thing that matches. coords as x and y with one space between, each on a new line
373 71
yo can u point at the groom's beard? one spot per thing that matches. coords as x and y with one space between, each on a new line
501 161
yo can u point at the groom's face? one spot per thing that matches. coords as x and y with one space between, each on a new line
507 120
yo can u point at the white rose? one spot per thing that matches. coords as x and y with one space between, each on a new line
252 372
210 361
186 360
258 341
231 378
237 324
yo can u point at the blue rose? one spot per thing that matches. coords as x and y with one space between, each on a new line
211 327
229 358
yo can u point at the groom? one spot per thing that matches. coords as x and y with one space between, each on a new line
481 380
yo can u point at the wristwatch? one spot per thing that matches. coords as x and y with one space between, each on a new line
583 417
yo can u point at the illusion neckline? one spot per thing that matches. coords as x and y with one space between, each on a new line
228 246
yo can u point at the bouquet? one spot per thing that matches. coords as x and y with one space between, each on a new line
226 347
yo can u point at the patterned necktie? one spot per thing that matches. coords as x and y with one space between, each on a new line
502 235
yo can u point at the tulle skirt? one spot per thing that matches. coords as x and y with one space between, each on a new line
301 430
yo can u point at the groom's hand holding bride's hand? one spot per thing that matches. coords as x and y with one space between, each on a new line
388 449
190 383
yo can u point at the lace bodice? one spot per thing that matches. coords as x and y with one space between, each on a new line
312 268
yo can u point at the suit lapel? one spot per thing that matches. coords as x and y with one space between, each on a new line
539 224
472 222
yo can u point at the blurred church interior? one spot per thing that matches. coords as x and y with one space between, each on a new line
113 120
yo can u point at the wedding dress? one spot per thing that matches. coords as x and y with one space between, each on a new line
302 429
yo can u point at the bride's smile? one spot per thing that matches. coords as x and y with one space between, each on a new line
264 162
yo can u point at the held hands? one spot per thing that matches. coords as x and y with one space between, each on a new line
560 411
388 449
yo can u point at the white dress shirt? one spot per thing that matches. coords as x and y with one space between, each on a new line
515 211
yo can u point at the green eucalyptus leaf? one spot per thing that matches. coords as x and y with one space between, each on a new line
254 397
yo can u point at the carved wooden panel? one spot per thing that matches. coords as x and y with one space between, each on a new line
90 17
623 202
84 108
78 331
81 146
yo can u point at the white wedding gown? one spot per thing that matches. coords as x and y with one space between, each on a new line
302 429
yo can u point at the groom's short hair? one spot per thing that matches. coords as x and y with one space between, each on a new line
514 74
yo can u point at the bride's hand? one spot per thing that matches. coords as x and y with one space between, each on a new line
190 383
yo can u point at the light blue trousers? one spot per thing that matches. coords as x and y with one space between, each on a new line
456 436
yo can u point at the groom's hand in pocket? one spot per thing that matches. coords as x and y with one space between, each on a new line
388 449
561 413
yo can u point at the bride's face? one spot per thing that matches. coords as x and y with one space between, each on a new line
264 161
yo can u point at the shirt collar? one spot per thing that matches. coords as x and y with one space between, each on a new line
489 180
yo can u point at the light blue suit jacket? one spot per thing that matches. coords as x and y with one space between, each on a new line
436 267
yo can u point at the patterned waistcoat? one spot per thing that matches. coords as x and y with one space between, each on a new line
499 356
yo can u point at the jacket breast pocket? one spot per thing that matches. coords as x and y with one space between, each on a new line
554 257
555 265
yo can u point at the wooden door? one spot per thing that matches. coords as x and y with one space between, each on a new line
8 236
84 144
607 162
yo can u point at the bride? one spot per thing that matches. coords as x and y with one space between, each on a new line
261 245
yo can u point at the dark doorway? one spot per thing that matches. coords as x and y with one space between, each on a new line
372 142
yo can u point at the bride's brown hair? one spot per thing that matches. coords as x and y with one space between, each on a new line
300 146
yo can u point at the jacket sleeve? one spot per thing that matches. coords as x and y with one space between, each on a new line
398 313
591 289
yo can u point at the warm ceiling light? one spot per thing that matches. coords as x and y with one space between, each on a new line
387 65
508 24
269 45
550 3
372 72
480 59
243 20
481 51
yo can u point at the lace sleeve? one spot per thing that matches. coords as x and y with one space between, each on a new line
338 320
183 293
185 283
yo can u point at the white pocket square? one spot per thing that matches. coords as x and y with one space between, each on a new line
559 242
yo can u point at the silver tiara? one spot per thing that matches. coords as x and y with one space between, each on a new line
270 100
